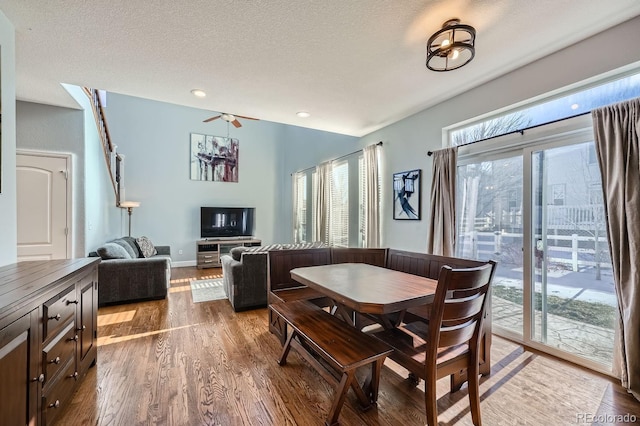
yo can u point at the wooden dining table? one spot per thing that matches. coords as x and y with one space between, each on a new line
379 293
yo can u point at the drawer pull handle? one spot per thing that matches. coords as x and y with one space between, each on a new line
74 338
74 375
40 379
55 404
81 328
55 361
72 302
57 317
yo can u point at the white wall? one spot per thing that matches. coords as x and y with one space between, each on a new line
102 217
8 237
406 142
61 130
155 140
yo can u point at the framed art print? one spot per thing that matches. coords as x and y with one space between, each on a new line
214 158
406 195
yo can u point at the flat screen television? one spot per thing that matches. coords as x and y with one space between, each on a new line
226 221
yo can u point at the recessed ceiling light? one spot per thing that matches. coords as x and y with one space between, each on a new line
199 93
575 106
303 114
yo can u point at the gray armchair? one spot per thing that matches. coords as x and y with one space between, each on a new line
244 273
244 276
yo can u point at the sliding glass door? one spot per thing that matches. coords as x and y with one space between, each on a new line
536 208
490 227
573 299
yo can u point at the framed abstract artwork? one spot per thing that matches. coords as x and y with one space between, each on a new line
214 158
406 195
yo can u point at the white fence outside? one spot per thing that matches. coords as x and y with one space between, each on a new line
485 245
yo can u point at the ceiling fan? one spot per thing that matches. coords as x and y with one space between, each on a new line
229 118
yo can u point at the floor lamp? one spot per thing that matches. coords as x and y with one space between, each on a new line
129 205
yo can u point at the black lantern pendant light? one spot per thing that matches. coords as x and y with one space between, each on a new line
451 47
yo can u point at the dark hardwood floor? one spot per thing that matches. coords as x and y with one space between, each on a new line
175 362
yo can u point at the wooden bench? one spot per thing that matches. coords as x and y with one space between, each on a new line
335 349
282 288
371 256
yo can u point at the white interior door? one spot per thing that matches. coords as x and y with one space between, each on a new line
43 198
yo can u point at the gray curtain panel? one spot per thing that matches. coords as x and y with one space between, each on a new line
442 229
617 129
372 215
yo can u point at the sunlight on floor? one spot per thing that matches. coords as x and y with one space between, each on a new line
108 340
117 318
189 279
179 289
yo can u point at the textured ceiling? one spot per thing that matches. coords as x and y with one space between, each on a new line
355 65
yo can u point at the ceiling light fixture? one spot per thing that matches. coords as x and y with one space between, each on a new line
228 117
198 93
451 47
303 114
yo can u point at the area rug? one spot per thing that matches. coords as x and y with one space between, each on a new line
206 290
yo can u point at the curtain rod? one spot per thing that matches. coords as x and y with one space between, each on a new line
337 158
521 131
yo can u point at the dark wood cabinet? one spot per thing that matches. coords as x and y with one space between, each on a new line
87 325
48 321
20 374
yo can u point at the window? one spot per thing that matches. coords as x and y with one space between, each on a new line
300 208
553 288
339 205
557 194
534 204
592 157
573 104
347 203
595 193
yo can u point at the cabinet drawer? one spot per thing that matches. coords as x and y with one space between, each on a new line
59 352
204 257
60 391
57 310
208 258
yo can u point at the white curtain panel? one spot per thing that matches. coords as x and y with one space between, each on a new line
617 135
294 199
372 189
323 195
442 229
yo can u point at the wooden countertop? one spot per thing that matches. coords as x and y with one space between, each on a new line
27 280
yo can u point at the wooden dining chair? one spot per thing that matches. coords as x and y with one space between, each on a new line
449 343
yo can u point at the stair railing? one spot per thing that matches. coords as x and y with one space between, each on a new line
112 158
